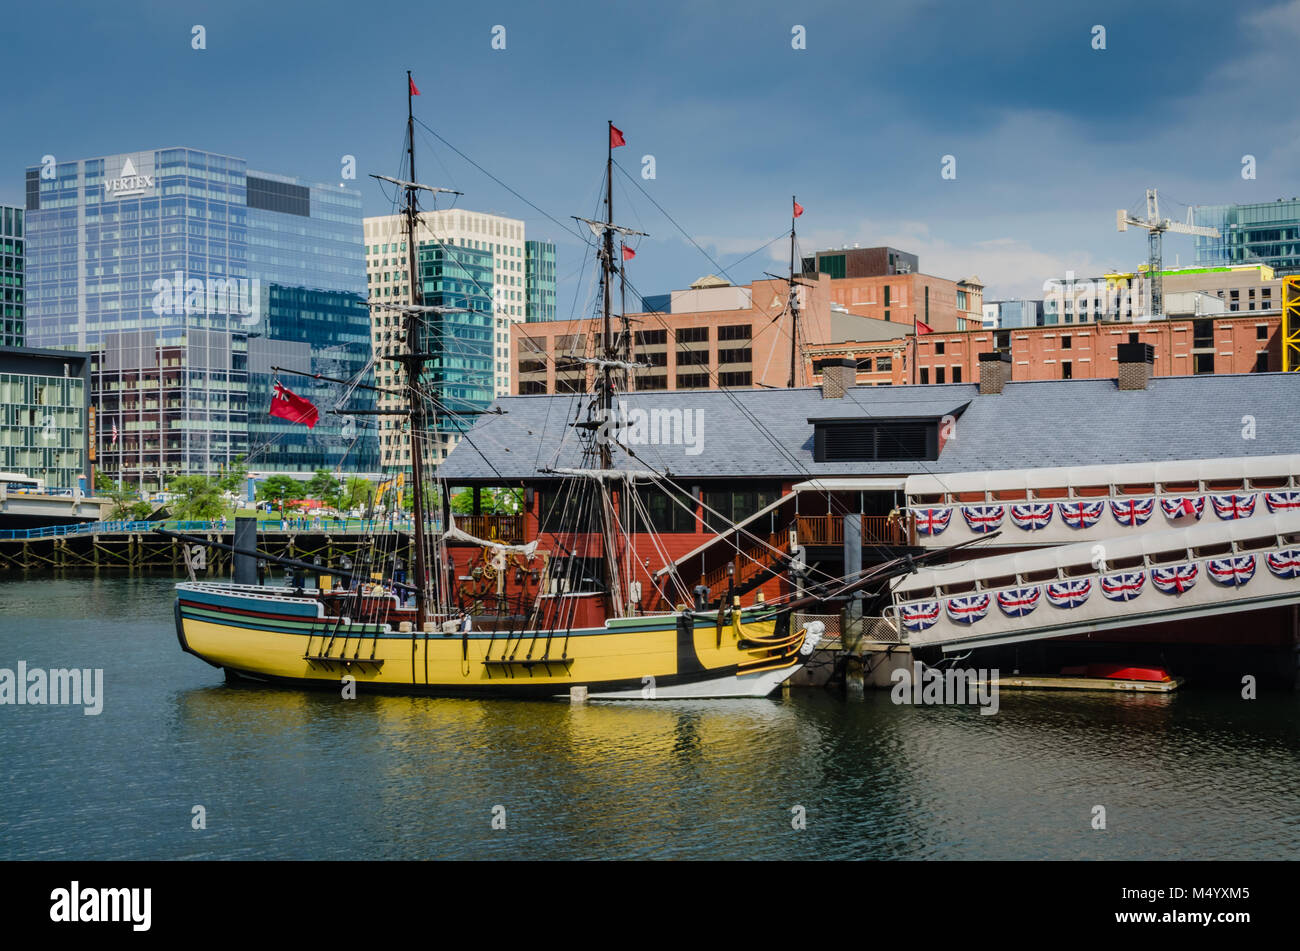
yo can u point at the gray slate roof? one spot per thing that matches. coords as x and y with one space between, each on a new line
1029 425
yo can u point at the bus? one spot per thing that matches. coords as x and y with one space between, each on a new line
18 482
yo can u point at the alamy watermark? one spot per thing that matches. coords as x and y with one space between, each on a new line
36 686
930 686
633 426
236 297
77 904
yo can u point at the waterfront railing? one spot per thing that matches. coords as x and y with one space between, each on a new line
128 526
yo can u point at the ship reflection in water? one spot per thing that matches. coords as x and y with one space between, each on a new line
299 775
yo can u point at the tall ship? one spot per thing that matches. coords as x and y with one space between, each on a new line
574 616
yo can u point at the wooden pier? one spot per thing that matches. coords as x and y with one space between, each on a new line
143 550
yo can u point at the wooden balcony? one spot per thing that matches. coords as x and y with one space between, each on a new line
506 529
829 530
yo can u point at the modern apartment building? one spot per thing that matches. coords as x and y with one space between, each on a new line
190 277
11 276
45 416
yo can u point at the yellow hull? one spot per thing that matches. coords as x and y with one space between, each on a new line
265 633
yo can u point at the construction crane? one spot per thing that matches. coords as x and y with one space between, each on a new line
1156 227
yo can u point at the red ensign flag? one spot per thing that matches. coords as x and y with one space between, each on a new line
295 409
414 91
798 209
628 253
615 136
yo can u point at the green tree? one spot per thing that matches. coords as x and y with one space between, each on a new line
123 498
233 476
324 485
279 488
198 498
354 494
491 502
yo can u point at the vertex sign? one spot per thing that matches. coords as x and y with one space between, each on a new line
129 181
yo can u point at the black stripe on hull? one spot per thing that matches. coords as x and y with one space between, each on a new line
499 690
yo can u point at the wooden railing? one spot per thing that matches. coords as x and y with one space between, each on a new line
507 529
829 530
753 559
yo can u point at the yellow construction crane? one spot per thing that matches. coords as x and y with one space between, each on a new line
1291 323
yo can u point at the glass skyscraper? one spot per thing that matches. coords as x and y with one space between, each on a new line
539 279
1261 233
11 276
462 375
189 277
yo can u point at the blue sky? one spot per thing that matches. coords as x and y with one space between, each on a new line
1050 136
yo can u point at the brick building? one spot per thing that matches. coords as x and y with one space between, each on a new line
887 284
1229 343
714 334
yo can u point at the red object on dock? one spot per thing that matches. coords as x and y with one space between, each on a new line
1118 672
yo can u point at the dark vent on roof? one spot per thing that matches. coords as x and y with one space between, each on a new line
851 442
279 196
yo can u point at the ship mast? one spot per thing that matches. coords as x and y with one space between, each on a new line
607 266
414 366
794 302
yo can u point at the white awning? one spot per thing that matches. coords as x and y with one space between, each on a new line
851 485
1129 473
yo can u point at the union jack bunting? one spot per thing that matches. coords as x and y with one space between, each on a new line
1182 506
1232 572
1124 586
931 521
1174 579
983 518
1282 501
920 616
1017 602
1132 512
968 609
1069 594
1284 563
1081 514
1032 516
1228 507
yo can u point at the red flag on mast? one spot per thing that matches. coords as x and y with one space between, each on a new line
923 328
414 91
628 253
616 136
798 209
290 406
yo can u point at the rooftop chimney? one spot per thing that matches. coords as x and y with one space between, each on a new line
995 371
1135 363
837 377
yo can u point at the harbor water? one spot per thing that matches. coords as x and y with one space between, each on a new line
289 774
